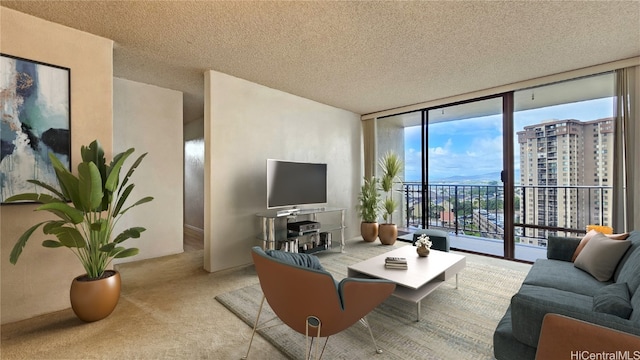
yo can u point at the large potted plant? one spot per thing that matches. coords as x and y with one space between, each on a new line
86 208
391 166
368 209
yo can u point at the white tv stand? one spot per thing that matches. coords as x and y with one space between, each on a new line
274 233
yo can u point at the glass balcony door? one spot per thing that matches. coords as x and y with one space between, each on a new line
464 164
563 149
454 159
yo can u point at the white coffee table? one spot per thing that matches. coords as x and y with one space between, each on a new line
423 276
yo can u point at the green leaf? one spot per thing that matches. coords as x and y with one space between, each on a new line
68 236
94 153
391 166
55 191
126 253
63 211
52 244
133 232
116 158
139 202
22 241
131 170
113 172
91 152
108 247
100 225
369 200
386 184
89 186
115 250
122 199
51 225
67 181
40 198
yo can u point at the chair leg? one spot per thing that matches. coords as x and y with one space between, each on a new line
366 324
317 324
324 347
253 332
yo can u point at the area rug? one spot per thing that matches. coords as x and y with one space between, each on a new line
455 324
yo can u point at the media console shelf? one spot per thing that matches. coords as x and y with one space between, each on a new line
275 235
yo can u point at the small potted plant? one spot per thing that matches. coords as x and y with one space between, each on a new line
87 208
423 245
368 208
391 166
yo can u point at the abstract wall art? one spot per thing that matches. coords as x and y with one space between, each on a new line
35 120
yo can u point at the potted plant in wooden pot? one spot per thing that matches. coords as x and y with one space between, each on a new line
86 209
368 208
391 166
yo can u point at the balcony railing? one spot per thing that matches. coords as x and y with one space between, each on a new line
477 210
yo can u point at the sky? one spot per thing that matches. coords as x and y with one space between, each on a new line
474 146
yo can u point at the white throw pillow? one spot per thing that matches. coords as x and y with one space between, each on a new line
601 255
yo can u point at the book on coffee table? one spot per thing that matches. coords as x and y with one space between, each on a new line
396 266
393 262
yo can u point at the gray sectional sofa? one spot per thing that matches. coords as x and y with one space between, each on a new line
555 285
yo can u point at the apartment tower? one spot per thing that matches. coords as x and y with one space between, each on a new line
566 169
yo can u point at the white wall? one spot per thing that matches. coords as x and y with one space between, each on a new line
246 123
149 119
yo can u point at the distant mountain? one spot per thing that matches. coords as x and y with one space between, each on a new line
480 178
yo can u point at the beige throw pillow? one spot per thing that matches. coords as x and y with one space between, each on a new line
601 255
588 237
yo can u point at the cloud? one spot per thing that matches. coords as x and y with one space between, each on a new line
438 151
466 156
442 151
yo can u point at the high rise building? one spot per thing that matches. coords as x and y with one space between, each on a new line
560 163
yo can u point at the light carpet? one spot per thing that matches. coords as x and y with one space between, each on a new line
455 324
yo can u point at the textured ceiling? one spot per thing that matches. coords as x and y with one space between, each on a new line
360 56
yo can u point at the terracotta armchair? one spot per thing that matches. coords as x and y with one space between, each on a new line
563 337
307 299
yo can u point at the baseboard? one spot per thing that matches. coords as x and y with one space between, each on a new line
193 231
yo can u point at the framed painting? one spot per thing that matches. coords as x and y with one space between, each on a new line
35 120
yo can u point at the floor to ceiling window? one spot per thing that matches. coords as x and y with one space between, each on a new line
546 161
563 159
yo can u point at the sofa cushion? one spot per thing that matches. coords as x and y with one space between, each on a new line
613 299
531 303
561 248
507 347
589 235
629 267
562 275
635 304
601 256
304 260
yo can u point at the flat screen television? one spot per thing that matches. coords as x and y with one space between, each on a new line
291 183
